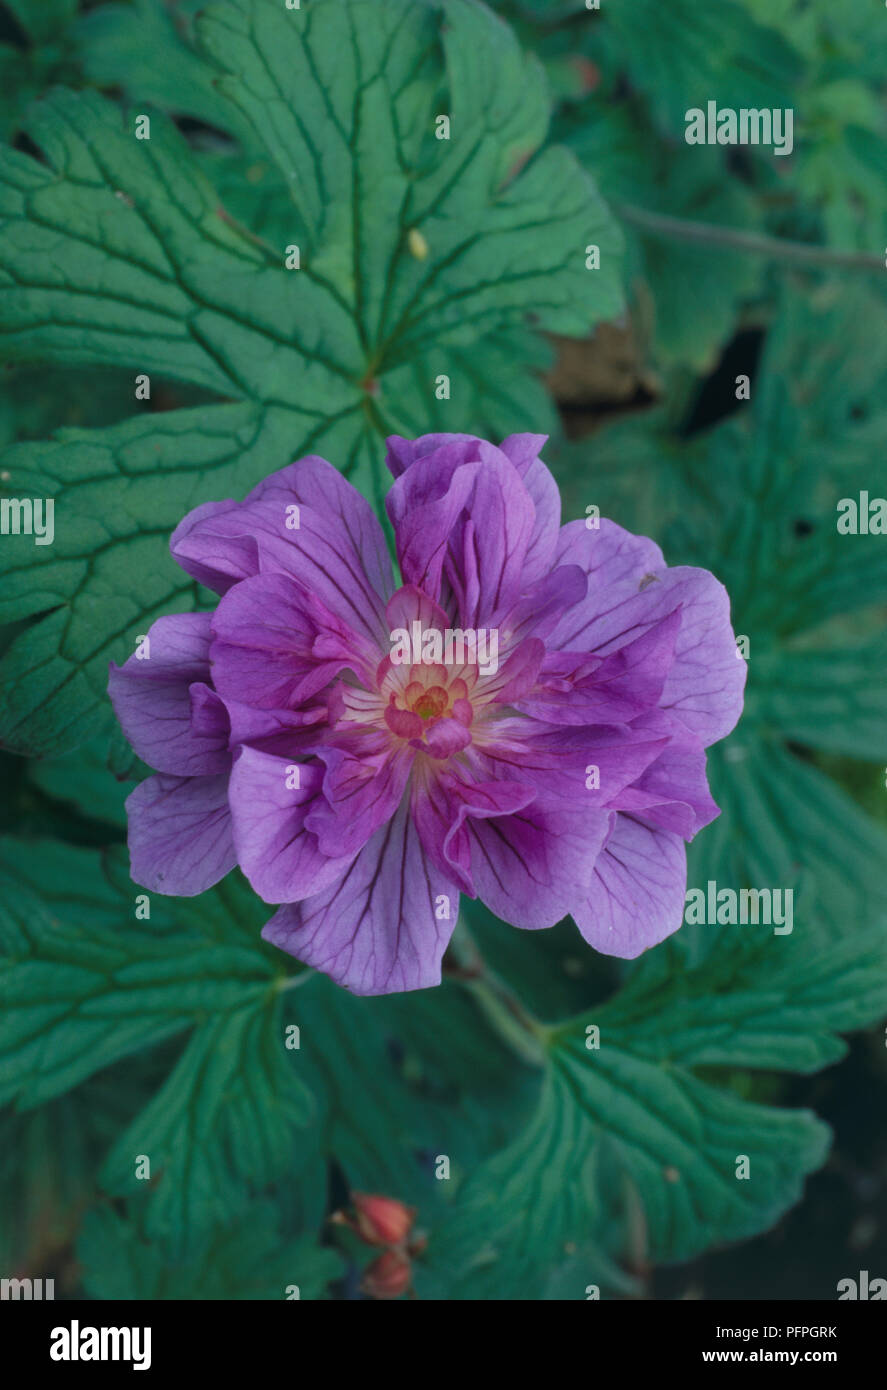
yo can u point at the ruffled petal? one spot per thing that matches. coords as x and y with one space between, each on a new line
361 791
441 805
423 506
276 645
270 801
384 925
638 890
529 867
180 839
583 767
523 451
672 793
306 521
630 590
489 543
172 719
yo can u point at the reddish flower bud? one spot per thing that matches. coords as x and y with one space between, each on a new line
388 1276
382 1220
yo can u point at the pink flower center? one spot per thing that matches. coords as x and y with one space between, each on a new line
420 697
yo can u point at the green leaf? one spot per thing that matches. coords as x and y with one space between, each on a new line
505 226
784 822
116 250
221 1126
85 983
679 55
49 1159
613 1128
695 293
43 20
522 1211
628 1122
758 1003
86 784
399 1083
241 1259
145 49
118 494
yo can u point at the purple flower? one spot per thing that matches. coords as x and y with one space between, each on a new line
523 720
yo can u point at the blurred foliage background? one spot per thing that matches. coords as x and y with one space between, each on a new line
165 1037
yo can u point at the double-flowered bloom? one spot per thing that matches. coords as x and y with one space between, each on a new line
362 792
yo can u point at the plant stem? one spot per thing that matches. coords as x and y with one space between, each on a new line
288 982
523 1034
797 253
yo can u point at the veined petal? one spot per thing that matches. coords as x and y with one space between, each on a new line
529 867
270 801
306 521
276 645
583 767
489 543
706 679
523 451
361 791
157 696
384 925
180 839
575 688
638 890
423 505
672 793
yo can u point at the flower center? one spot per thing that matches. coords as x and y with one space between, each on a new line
423 698
428 703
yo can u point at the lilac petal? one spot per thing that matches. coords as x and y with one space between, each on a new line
530 867
360 793
282 730
403 453
275 645
577 689
423 506
516 676
543 604
672 793
488 544
410 604
705 682
386 923
214 544
445 737
638 891
704 687
158 700
614 559
557 762
279 855
440 805
523 451
180 834
527 861
337 551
